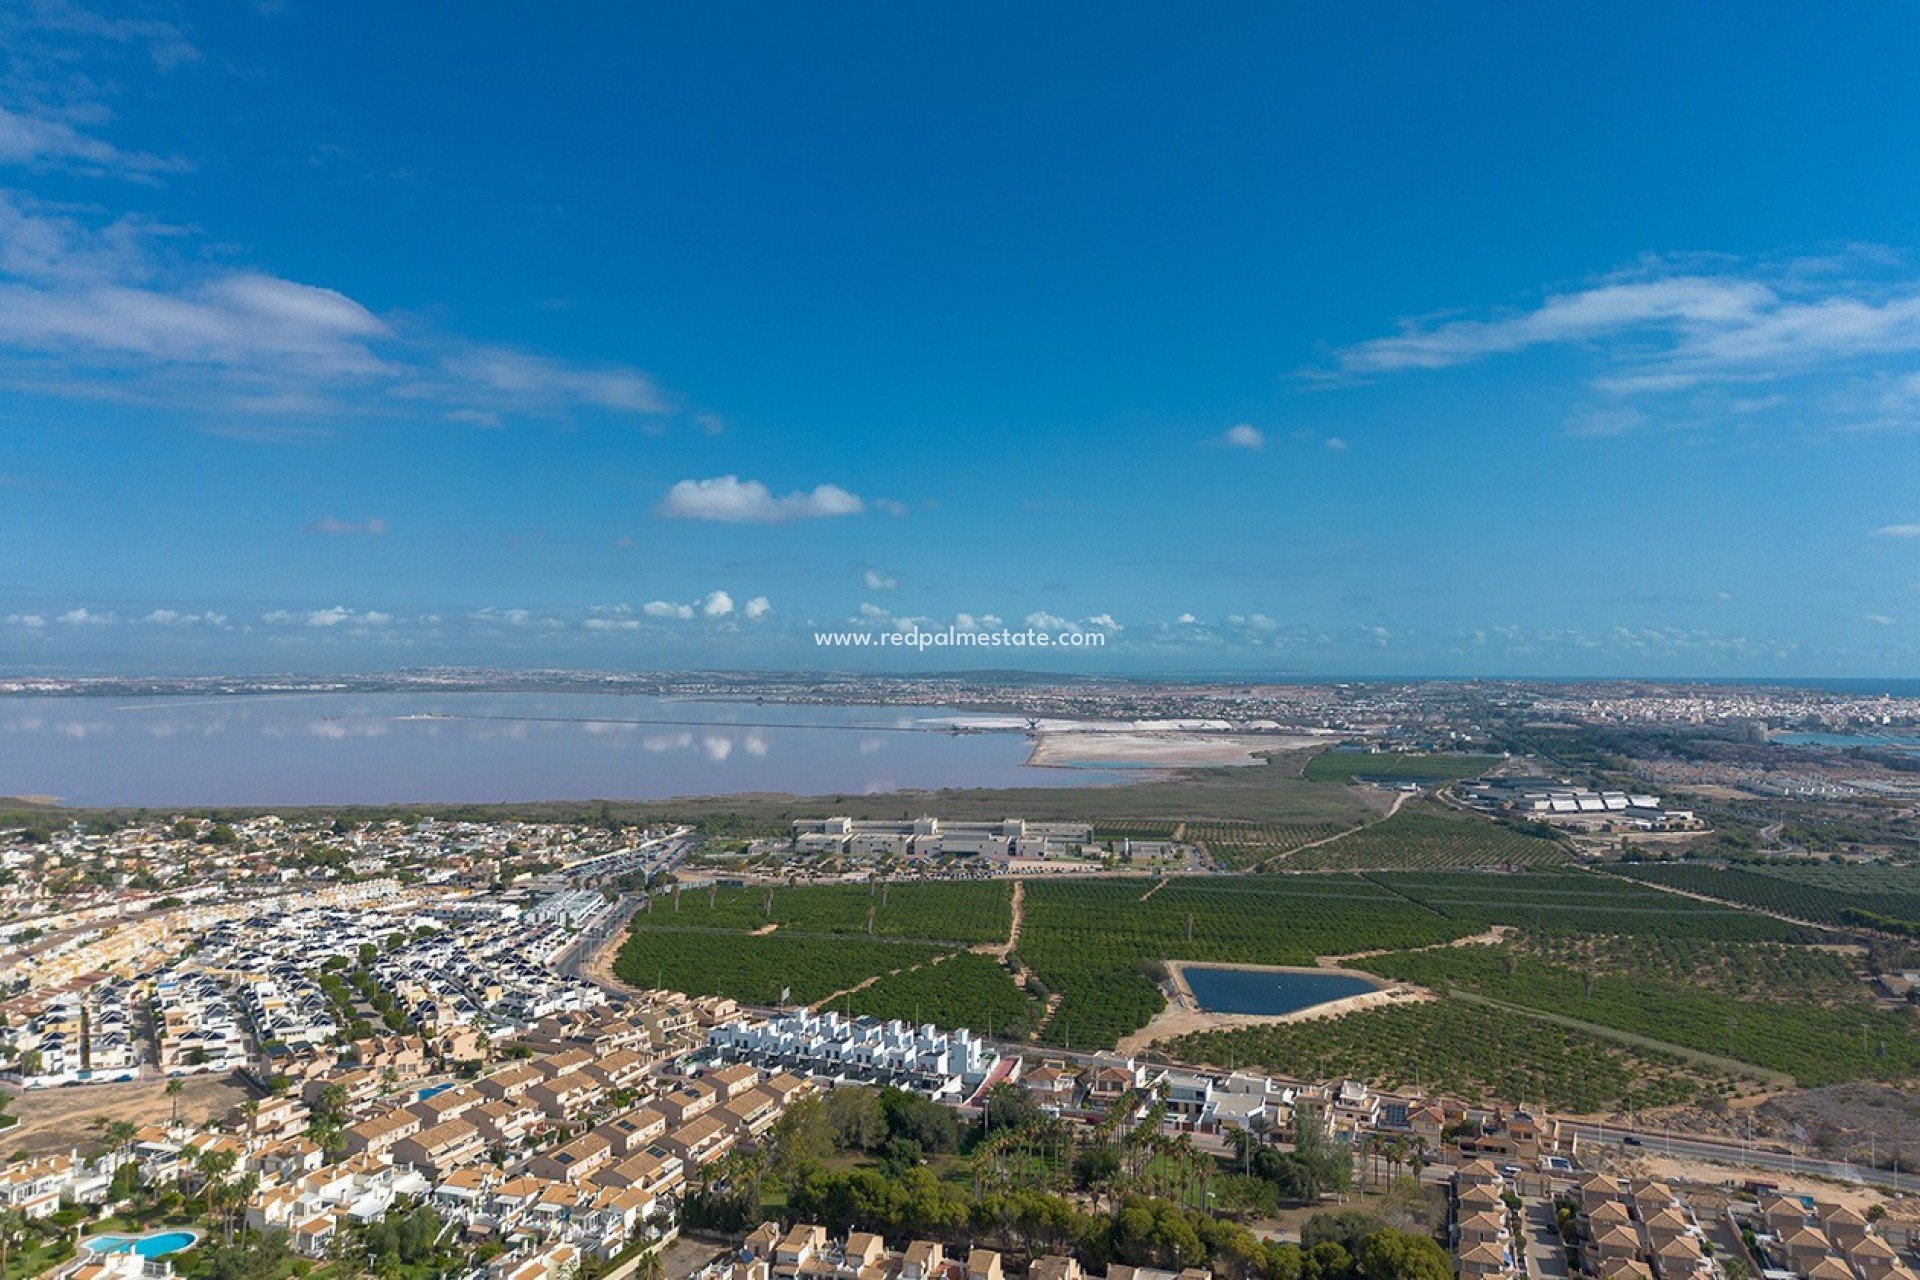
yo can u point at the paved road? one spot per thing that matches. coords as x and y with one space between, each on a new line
1754 1157
1546 1253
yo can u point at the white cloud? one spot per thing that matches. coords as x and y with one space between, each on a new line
85 618
161 41
1245 436
335 527
337 616
121 307
1336 444
1830 337
174 618
1041 620
872 612
539 384
1187 620
47 139
878 581
731 500
715 604
32 621
1897 531
1880 619
890 506
1601 424
1689 304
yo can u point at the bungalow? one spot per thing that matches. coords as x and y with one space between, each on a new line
797 1248
448 1104
1051 1085
33 1187
786 1087
567 1097
505 1123
1055 1267
656 1171
1484 1261
751 1114
377 1135
633 1131
564 1063
624 1070
442 1149
734 1080
574 1160
689 1101
923 1261
511 1082
699 1141
983 1264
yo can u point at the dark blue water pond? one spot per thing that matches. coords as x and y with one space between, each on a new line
1258 991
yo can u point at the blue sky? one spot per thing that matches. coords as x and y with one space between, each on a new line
1497 339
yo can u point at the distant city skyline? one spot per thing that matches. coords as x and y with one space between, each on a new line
1508 341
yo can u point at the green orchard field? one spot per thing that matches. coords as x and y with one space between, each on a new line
1661 996
1345 766
1457 1048
1427 836
962 911
755 970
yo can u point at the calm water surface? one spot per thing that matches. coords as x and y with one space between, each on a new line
1252 991
403 748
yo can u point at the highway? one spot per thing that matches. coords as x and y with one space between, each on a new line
1755 1157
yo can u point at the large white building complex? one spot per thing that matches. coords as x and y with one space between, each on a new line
1007 838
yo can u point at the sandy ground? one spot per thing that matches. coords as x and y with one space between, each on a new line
61 1119
1492 937
1162 750
1184 1015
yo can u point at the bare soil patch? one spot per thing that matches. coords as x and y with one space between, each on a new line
54 1120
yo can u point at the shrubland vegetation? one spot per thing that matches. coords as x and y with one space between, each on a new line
882 1161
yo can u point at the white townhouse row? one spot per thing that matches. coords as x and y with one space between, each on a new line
944 1065
81 1036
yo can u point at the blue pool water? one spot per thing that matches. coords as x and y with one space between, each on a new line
156 1245
1258 991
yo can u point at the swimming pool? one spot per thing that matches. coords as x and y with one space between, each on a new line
155 1245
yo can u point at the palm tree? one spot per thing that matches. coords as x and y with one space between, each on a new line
212 1166
175 1087
13 1225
